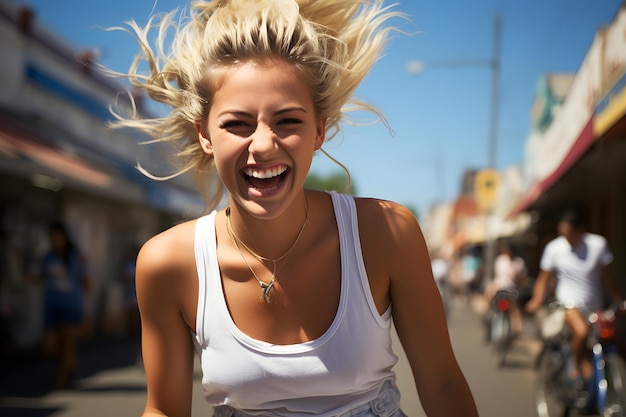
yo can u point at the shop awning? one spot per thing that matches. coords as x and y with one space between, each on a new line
24 154
584 141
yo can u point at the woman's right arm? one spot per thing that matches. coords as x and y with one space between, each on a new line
163 269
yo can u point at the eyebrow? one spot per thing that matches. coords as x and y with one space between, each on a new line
277 113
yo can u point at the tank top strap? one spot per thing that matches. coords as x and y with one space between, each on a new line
205 245
351 254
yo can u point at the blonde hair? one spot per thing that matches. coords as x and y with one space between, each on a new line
332 43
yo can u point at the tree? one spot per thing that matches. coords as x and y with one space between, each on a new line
337 181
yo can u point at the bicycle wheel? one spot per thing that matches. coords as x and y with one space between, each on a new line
551 399
616 389
501 336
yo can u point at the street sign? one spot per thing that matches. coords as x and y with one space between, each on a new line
486 185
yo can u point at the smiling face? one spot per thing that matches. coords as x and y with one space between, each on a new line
262 131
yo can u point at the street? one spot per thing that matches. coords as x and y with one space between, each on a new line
111 382
506 391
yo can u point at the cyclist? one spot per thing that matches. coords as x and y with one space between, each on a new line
580 261
510 273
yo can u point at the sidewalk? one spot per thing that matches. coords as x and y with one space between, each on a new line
110 381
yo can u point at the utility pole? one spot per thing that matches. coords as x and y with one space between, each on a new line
490 233
493 63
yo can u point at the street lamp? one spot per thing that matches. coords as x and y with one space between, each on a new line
416 67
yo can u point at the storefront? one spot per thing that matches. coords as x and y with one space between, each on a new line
107 213
59 161
579 160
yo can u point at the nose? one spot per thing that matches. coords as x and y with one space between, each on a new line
262 141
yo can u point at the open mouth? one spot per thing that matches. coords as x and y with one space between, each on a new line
265 179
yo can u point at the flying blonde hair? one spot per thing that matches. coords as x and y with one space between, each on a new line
332 43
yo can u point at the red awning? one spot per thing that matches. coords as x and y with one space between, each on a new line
580 146
18 145
23 153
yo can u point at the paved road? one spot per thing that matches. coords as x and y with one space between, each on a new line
506 391
111 383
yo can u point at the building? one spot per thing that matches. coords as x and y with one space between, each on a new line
576 157
59 160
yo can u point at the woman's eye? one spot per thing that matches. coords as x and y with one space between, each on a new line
232 124
238 127
290 121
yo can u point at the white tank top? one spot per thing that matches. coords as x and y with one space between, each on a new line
343 368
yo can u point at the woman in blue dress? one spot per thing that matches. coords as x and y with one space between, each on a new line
65 279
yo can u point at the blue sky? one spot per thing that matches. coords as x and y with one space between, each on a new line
440 118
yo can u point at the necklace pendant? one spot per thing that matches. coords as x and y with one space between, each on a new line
265 290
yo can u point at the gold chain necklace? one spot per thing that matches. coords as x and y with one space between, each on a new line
266 288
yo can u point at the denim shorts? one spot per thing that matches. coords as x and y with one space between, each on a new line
386 404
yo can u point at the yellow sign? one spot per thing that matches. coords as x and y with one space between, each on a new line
611 108
486 185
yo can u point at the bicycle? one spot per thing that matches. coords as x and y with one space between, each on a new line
557 392
498 323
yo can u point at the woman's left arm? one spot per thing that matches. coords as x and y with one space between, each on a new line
420 320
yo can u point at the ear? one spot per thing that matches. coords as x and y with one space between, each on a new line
205 142
321 134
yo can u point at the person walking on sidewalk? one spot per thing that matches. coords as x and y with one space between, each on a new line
288 294
65 280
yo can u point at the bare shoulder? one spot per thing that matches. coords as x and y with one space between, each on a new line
388 231
393 249
167 258
165 249
392 239
387 220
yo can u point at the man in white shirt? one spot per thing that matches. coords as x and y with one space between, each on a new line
580 261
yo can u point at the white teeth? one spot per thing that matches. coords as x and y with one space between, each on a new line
264 174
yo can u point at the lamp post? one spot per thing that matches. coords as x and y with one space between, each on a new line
417 67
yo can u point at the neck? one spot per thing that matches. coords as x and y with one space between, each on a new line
269 238
575 239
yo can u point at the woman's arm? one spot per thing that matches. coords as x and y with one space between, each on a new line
167 348
420 320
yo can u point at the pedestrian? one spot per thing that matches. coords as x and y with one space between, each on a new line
467 274
65 280
133 320
441 270
6 304
288 295
581 262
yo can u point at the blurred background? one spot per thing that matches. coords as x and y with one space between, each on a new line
501 115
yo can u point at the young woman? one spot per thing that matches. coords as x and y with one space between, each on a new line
65 280
287 294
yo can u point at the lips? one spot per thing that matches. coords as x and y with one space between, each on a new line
265 178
